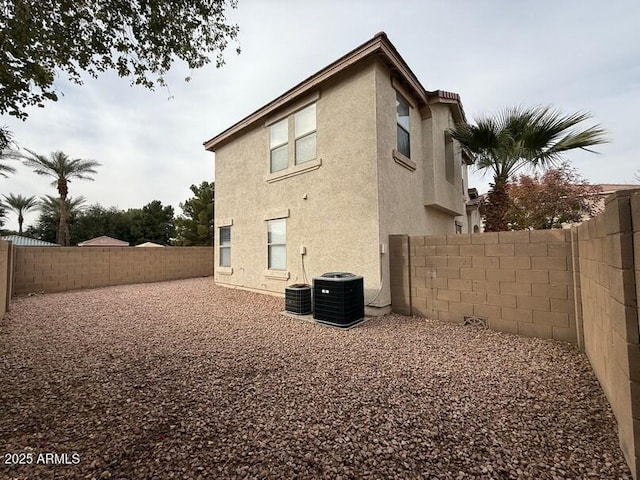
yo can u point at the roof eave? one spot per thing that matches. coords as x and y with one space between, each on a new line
379 45
453 99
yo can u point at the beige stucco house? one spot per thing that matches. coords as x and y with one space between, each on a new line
318 179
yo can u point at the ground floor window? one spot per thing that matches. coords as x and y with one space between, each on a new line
277 244
225 247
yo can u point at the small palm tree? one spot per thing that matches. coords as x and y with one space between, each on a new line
20 205
63 169
519 138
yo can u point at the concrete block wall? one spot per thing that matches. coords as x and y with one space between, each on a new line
6 274
519 282
580 285
58 269
609 250
400 273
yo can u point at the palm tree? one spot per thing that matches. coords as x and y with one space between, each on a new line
518 138
63 169
49 219
20 205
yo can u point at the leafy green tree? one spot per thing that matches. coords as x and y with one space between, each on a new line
63 169
195 226
97 220
46 227
557 197
520 138
152 223
20 205
139 39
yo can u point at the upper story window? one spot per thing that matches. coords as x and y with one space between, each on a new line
299 130
279 145
305 134
449 158
277 244
225 247
403 126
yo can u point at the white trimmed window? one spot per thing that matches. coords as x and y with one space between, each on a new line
403 126
294 136
279 145
305 134
225 246
277 244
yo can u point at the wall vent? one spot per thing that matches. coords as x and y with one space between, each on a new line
475 321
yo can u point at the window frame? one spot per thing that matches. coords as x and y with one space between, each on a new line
224 246
305 134
273 244
449 158
278 146
400 99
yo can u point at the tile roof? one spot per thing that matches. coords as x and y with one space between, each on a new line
615 187
149 244
103 241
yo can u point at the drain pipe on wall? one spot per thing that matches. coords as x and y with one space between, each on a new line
382 252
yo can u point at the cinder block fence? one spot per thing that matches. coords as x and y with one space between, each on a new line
58 269
518 282
579 285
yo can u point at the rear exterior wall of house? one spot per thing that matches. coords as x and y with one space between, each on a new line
342 206
329 205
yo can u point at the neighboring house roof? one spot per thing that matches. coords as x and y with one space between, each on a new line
103 241
379 46
149 244
27 242
608 188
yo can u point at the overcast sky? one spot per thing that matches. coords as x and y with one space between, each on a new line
575 55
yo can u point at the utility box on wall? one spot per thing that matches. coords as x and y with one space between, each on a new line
338 299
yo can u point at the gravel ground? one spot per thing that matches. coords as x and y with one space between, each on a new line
188 380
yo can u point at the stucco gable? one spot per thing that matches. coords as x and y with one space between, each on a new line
379 46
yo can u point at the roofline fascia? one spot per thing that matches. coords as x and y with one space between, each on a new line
300 89
378 44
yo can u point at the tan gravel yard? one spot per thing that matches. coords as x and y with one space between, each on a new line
188 380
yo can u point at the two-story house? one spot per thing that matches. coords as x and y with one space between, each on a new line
318 179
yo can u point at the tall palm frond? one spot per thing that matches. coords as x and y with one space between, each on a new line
6 152
5 169
60 166
50 205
